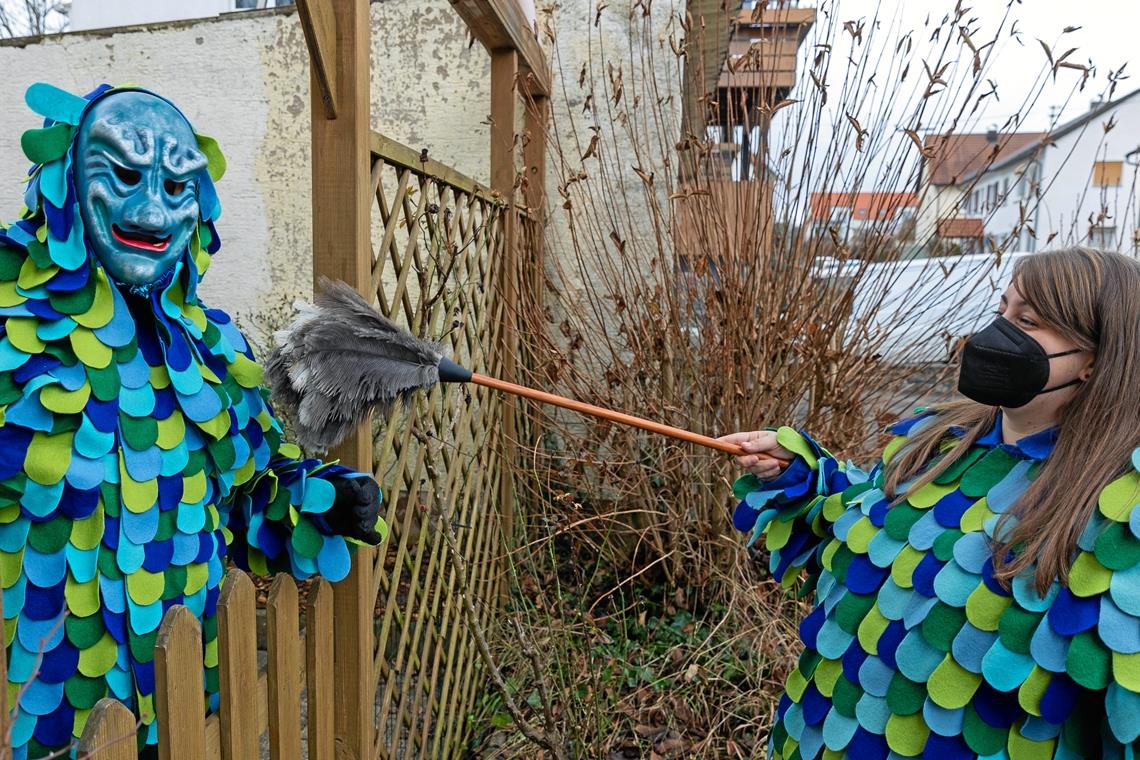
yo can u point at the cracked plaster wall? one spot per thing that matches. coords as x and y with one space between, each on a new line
244 79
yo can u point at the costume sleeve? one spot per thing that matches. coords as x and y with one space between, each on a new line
275 514
796 511
277 521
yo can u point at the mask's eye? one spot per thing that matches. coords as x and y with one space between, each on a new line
127 176
174 187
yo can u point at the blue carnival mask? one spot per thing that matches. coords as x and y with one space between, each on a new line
137 164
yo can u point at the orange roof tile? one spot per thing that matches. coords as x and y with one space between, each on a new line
864 206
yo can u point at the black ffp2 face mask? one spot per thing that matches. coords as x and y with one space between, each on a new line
1004 366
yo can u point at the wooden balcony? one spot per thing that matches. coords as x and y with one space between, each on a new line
765 63
797 18
763 46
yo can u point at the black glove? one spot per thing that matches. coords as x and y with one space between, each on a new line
354 512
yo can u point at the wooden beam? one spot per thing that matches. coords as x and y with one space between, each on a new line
342 208
401 155
501 25
319 24
504 75
534 154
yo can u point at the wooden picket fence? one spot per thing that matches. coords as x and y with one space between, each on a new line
252 702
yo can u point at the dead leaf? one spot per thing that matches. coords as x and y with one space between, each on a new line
592 148
598 13
927 151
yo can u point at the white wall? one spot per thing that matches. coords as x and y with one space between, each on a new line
915 311
1012 185
99 14
1070 198
935 202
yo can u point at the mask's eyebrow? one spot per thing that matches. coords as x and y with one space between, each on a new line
181 160
112 153
135 145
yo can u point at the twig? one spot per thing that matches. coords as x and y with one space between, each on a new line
549 738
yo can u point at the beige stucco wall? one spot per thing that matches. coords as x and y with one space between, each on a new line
244 79
599 42
937 202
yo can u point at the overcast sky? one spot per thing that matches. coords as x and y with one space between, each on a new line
1107 38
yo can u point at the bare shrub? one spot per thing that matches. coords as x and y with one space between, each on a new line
677 291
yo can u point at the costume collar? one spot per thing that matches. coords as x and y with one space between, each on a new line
1037 446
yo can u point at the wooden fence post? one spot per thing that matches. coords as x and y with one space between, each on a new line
284 654
533 263
504 74
534 160
181 712
110 733
338 35
237 666
319 669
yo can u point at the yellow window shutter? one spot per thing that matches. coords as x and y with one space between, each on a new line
1107 173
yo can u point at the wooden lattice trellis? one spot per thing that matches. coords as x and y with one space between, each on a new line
435 269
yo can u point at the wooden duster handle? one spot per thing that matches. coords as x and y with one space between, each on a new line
612 416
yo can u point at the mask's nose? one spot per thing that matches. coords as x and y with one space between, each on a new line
146 215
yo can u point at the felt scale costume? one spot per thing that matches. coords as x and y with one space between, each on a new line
137 447
913 649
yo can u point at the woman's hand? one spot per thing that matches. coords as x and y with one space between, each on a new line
757 444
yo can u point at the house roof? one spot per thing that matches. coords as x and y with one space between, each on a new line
864 206
1056 134
957 157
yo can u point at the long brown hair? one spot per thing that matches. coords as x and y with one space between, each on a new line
1092 298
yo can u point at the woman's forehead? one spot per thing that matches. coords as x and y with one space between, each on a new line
1012 296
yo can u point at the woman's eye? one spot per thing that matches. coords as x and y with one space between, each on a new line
174 187
127 176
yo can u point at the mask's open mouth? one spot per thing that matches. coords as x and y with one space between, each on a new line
141 240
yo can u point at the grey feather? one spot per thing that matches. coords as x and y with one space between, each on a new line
339 360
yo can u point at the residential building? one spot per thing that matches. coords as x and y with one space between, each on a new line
743 60
861 212
104 14
740 61
945 194
1075 185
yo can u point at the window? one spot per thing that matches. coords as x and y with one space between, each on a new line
243 5
1107 173
1102 237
